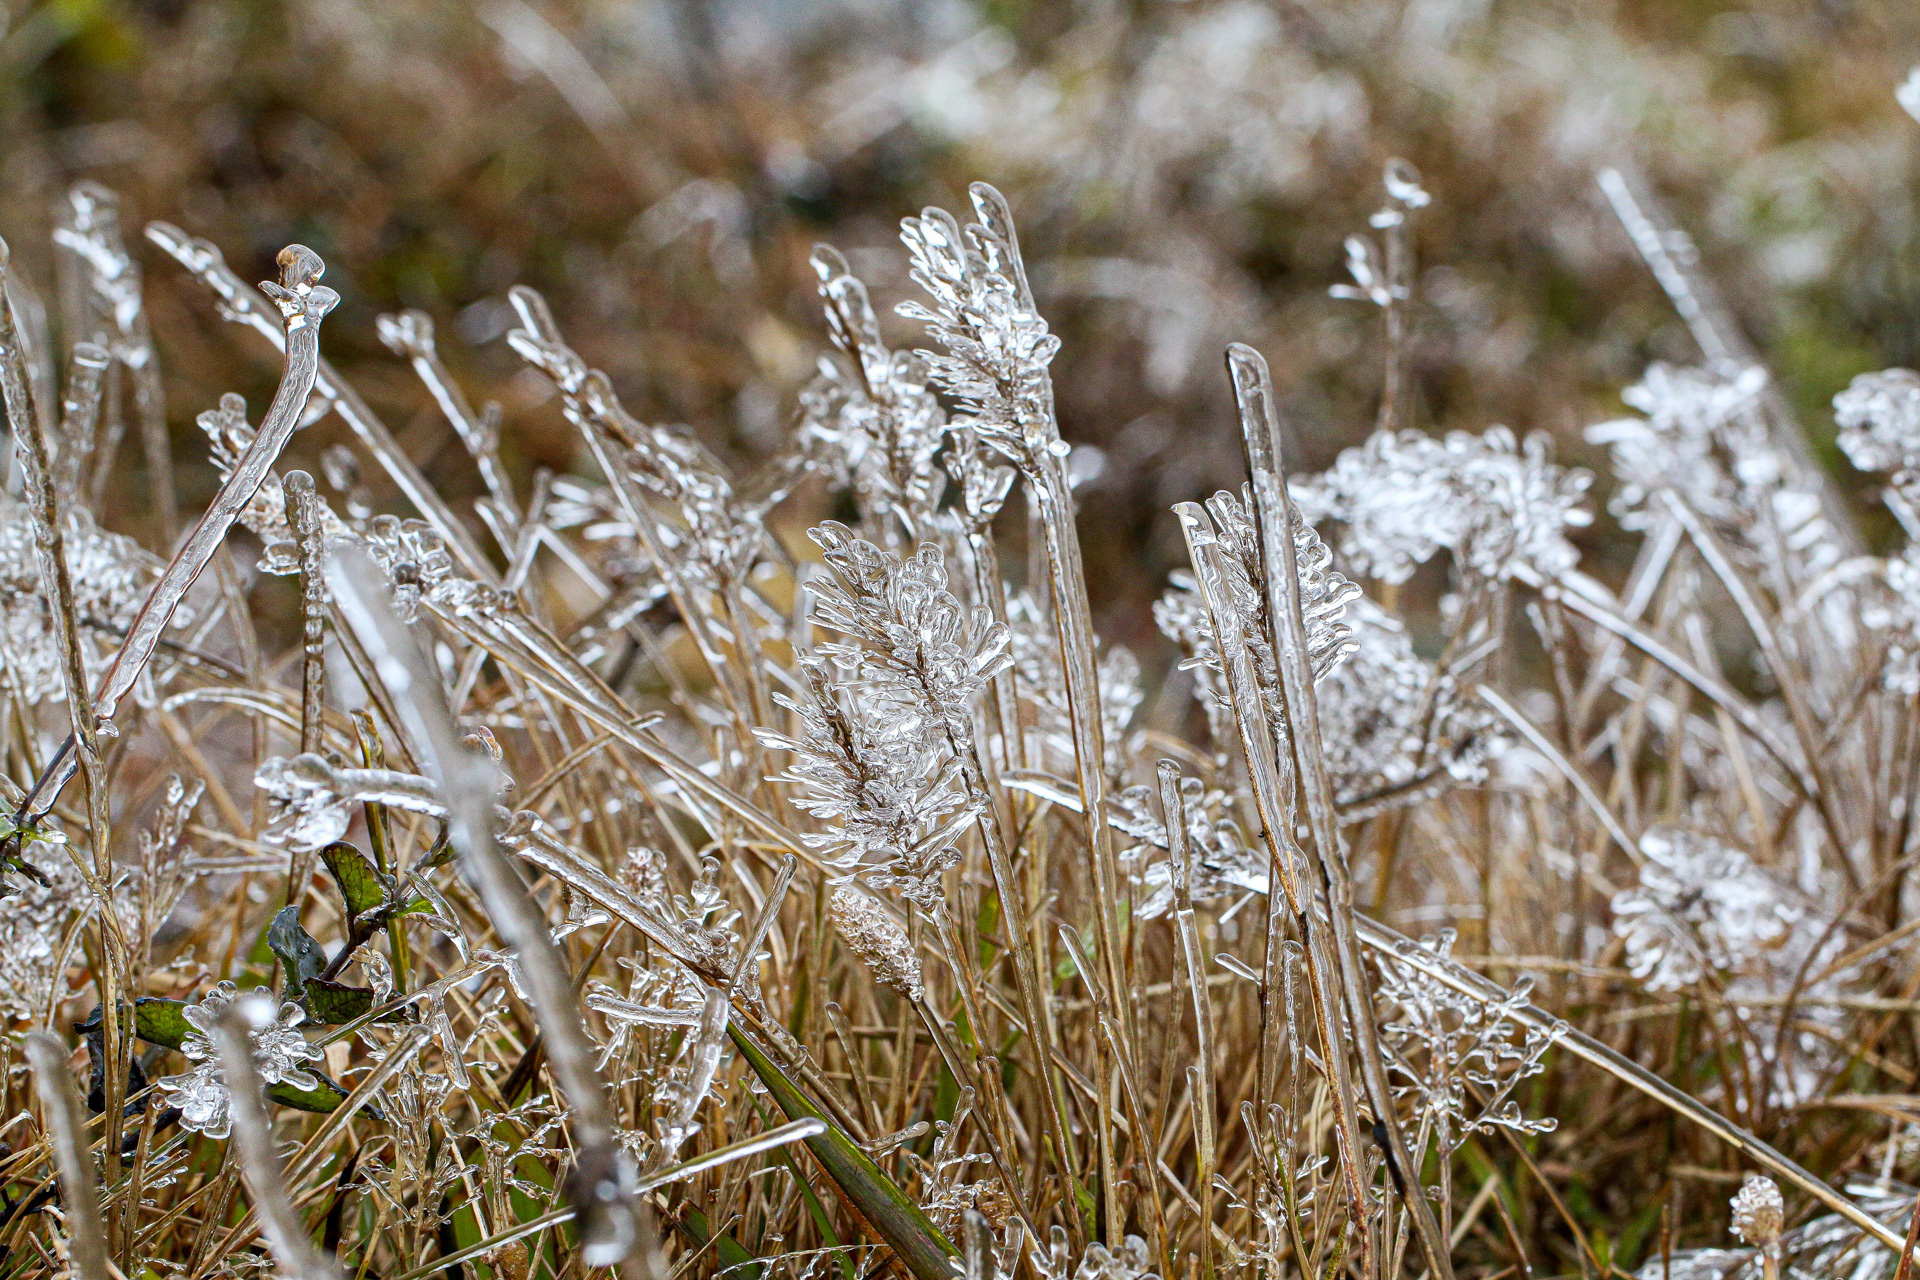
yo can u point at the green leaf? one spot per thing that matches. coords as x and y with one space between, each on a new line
299 954
333 1003
863 1186
735 1262
815 1210
363 887
322 1099
159 1021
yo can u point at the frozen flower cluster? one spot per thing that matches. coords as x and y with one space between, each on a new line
868 932
1879 419
1700 906
279 1054
420 568
870 418
1705 439
997 346
890 801
35 913
1699 433
111 577
1459 1061
1499 504
912 644
1390 718
1222 861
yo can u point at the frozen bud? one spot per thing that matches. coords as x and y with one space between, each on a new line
1759 1214
869 934
1879 419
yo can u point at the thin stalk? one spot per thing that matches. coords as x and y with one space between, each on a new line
241 305
1273 510
1174 816
48 524
66 1128
302 301
610 1228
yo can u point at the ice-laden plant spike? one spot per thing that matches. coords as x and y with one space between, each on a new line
588 851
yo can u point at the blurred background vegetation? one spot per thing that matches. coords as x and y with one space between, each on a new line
1184 175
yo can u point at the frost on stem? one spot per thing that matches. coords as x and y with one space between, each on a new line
265 513
997 346
870 419
1498 504
279 1052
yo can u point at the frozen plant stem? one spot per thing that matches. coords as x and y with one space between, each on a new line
1260 430
303 301
293 1253
114 316
999 350
1192 953
66 1129
602 1180
30 450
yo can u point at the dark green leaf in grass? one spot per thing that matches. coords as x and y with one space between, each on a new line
323 1098
159 1021
865 1188
363 887
333 1003
299 954
735 1262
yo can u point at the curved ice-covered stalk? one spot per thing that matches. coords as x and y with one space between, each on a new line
410 335
241 305
302 301
602 1182
1273 511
